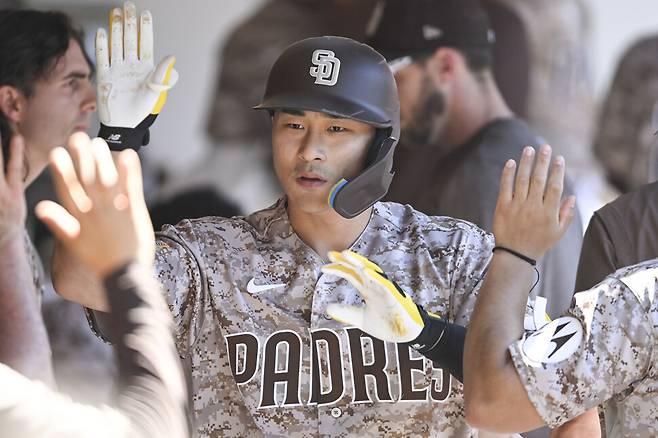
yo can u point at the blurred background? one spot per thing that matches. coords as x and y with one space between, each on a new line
583 73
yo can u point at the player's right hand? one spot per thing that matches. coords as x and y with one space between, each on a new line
530 215
12 192
102 218
131 91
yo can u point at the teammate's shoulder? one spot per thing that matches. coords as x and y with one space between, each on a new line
631 287
630 202
641 279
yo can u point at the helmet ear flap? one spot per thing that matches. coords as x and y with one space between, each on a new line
351 198
375 151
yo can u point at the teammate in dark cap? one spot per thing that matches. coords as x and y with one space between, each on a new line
451 108
440 52
249 298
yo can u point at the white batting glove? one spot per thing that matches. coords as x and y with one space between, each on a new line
389 314
131 91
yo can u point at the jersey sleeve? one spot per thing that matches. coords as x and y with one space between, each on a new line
598 349
597 257
180 270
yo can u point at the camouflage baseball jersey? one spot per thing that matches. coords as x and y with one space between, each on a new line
248 300
603 350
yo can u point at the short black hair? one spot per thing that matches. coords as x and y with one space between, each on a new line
31 44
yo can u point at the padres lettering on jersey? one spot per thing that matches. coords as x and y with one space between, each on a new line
280 371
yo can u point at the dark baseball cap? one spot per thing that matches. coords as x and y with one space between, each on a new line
413 27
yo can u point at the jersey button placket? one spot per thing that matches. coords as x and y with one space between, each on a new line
320 301
336 412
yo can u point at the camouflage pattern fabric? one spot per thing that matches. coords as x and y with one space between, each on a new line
248 300
615 363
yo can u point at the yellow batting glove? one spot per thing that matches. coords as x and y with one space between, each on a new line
131 90
389 314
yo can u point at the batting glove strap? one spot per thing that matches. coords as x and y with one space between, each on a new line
441 342
119 138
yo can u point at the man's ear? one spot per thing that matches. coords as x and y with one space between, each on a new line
444 64
12 103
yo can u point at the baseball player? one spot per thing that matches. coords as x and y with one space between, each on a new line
249 298
600 352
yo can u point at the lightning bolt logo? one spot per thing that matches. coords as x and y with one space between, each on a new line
560 341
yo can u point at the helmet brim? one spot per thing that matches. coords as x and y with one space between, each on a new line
328 104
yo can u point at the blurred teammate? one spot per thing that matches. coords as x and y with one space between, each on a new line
248 295
103 221
600 351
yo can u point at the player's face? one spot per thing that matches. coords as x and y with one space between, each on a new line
422 107
60 105
312 151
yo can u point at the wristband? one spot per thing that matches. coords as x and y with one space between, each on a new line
531 262
120 138
441 342
526 259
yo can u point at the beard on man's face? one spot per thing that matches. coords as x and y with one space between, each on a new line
427 119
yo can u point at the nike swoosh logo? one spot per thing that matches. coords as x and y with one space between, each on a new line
254 288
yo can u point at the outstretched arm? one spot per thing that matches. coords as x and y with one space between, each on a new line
103 222
530 217
23 340
132 91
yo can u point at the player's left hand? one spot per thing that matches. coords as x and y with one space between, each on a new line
389 314
131 91
530 215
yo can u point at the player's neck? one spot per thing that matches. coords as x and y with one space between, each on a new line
327 231
477 106
34 162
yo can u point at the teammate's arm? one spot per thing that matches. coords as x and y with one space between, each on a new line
105 224
23 340
131 93
530 217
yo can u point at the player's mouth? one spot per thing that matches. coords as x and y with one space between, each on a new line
81 127
310 180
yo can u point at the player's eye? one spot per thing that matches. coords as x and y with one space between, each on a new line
335 128
74 83
295 125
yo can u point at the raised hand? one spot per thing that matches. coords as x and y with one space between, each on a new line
102 218
12 192
131 91
530 214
